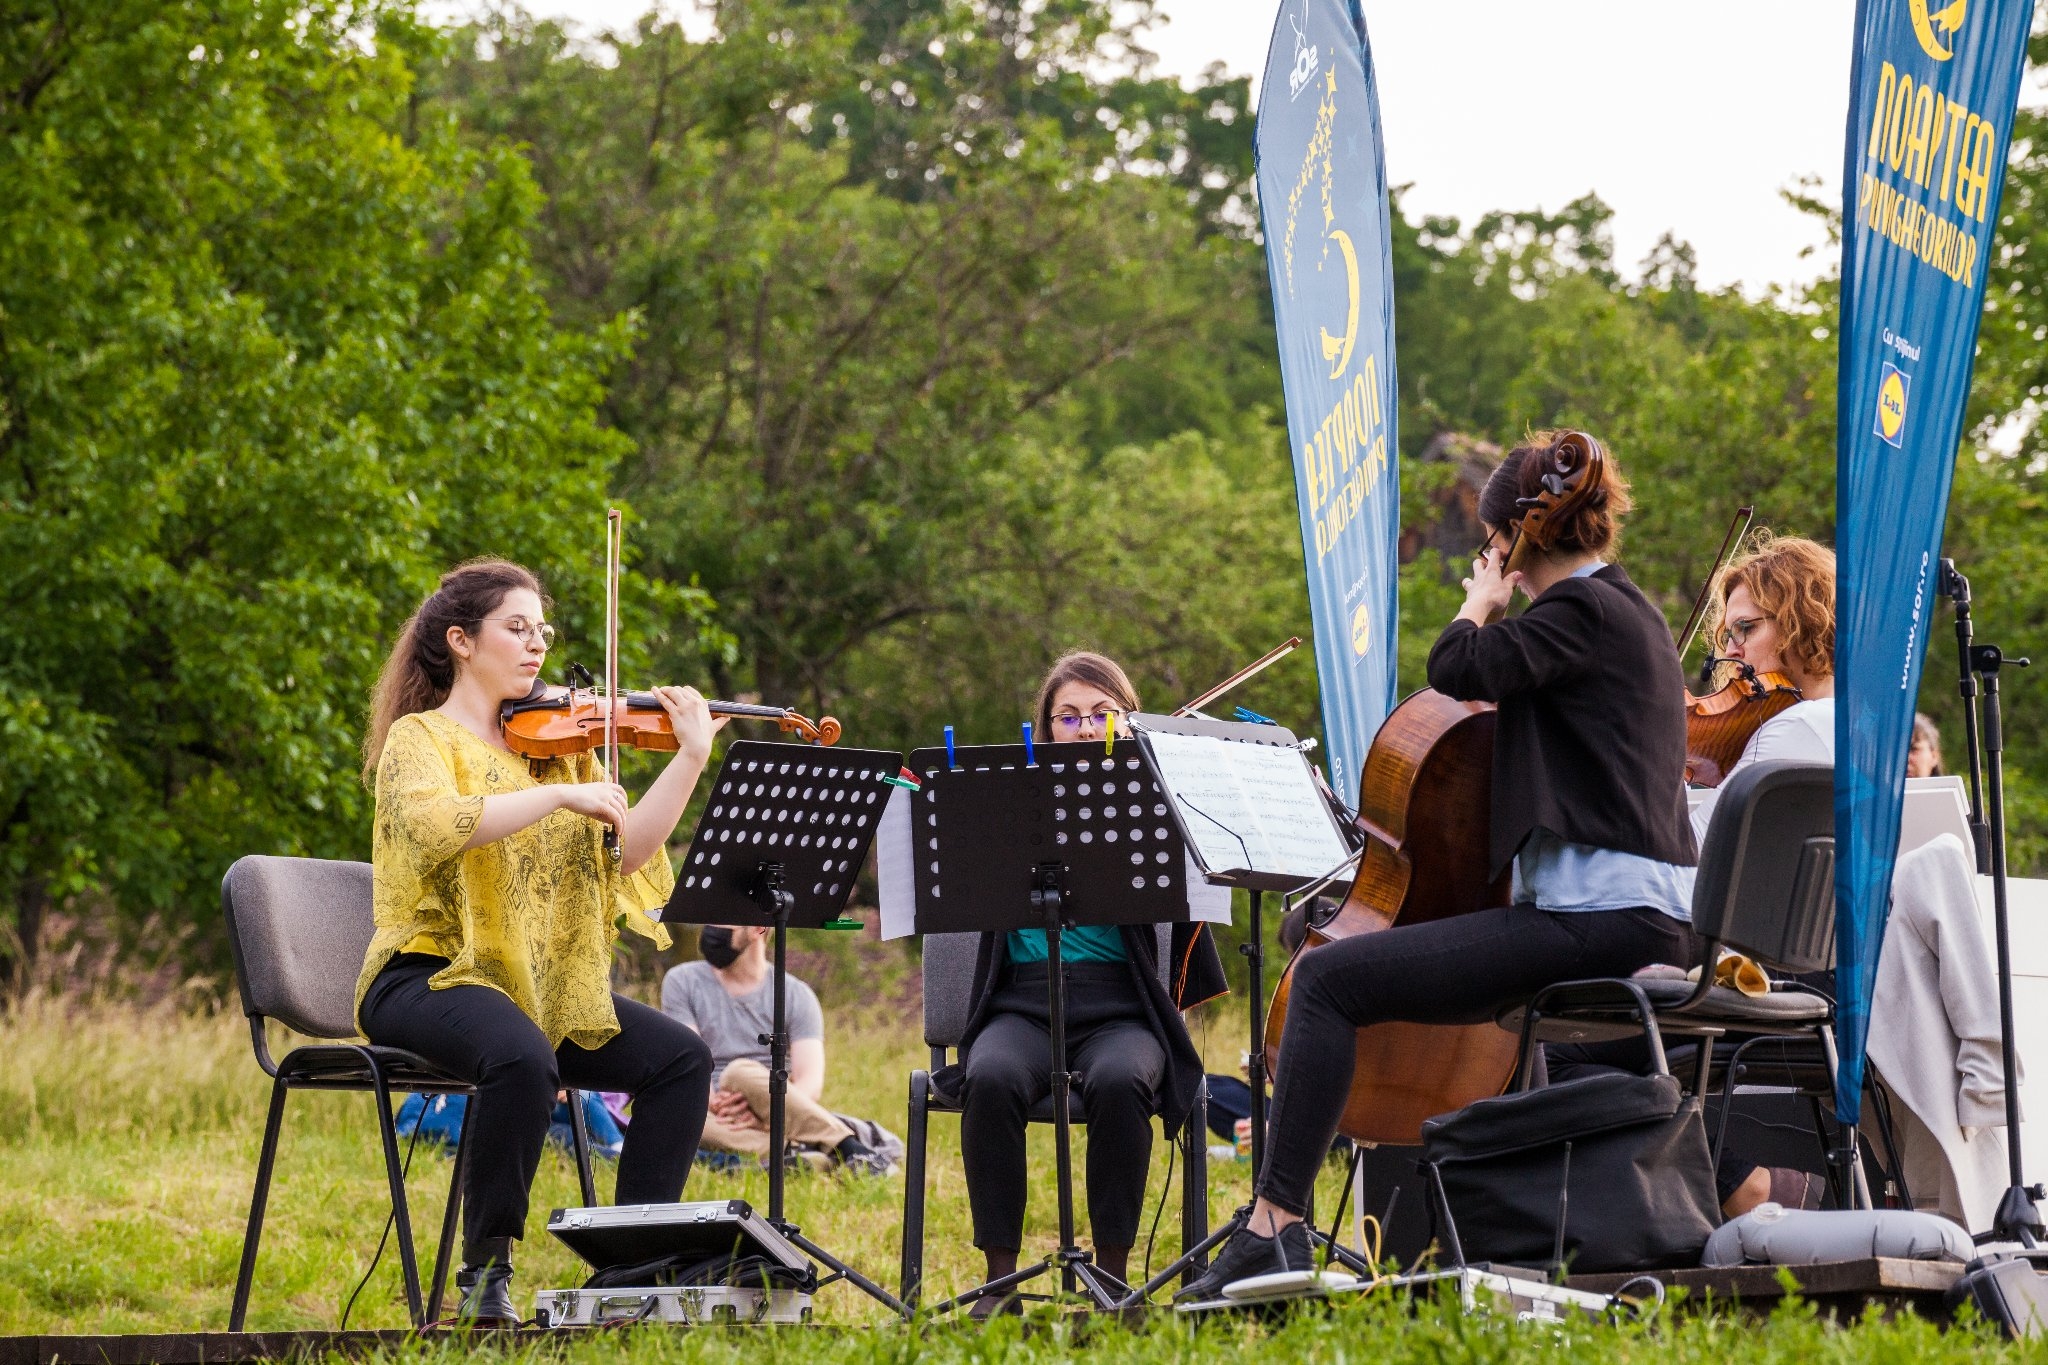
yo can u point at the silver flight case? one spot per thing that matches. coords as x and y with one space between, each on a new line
711 1233
683 1305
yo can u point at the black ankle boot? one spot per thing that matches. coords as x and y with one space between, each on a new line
486 1295
1246 1254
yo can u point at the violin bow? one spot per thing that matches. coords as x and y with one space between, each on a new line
1258 665
614 546
1738 527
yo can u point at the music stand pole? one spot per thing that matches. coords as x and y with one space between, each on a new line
1957 589
2017 1218
778 902
1255 1060
713 891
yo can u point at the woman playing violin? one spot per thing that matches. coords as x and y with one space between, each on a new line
496 905
1588 808
1775 613
1125 1036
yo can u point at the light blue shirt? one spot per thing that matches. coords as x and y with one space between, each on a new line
1554 875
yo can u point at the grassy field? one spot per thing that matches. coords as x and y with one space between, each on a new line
128 1139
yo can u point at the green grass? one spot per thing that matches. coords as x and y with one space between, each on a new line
128 1137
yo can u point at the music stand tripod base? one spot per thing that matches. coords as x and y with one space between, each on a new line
782 839
1046 839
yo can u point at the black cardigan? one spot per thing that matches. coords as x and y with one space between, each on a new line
1590 742
1197 976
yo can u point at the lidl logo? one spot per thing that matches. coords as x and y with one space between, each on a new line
1361 629
1937 30
1891 405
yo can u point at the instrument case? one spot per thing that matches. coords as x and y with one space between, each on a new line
683 1305
713 1260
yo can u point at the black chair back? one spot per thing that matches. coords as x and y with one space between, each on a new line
1766 881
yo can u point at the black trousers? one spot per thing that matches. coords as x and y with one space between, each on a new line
1452 971
478 1034
1121 1065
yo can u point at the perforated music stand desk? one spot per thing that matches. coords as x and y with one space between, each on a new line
784 835
1075 837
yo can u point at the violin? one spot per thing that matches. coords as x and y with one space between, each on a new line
552 721
1425 803
1719 724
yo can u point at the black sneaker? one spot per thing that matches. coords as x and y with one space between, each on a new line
1246 1254
486 1296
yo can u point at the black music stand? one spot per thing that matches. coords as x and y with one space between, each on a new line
784 835
1046 837
1255 883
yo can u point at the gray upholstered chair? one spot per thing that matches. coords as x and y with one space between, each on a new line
298 929
1765 888
948 982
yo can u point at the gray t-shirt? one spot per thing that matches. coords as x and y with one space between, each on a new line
732 1025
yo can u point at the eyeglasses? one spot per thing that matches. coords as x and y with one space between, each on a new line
1738 632
526 630
1071 725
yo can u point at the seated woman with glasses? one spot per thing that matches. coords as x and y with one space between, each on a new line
496 906
1125 1037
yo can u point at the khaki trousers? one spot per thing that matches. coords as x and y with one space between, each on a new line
807 1123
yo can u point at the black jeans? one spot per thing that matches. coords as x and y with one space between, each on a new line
478 1034
1451 971
1121 1063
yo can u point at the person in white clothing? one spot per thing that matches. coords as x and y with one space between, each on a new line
1934 1043
1777 614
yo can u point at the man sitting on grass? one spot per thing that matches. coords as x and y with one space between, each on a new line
729 999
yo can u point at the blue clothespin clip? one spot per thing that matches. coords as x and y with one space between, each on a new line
1254 718
1030 754
949 748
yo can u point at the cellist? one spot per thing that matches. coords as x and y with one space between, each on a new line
1589 807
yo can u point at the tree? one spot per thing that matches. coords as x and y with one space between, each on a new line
272 355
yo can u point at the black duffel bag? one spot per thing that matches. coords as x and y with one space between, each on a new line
1618 1162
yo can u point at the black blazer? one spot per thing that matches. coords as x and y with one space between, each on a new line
1590 743
1197 976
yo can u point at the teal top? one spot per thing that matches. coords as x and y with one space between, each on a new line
1082 943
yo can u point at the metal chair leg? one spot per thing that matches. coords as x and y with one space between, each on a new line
579 1135
265 1164
913 1188
408 1261
445 1254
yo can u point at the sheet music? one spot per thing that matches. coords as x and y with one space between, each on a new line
1248 807
895 880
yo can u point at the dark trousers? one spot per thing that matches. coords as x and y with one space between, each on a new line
1008 1069
1451 971
479 1035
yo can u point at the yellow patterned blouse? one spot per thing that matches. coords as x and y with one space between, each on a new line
533 914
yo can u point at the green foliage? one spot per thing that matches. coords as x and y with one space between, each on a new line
272 356
929 338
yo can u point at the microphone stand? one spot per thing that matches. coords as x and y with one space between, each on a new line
2017 1218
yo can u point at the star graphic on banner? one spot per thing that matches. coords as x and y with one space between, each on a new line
1330 80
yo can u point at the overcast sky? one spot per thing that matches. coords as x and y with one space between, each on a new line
1684 118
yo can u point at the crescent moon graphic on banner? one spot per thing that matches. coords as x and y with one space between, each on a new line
1338 349
1924 24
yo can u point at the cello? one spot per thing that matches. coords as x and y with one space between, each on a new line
1424 806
